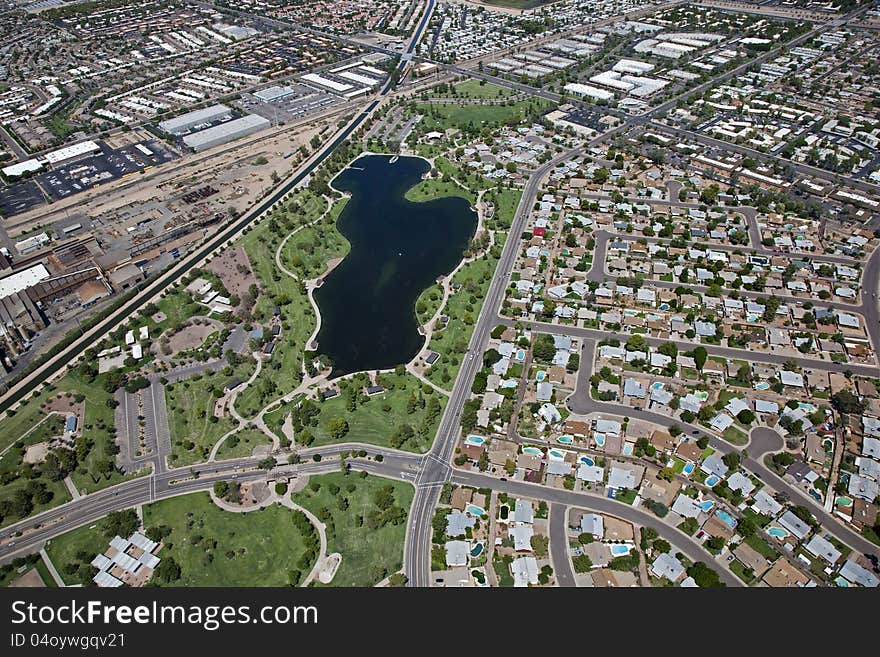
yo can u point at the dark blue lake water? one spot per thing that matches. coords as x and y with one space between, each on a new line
398 249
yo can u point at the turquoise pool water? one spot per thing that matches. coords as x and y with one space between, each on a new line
565 440
477 441
619 550
627 449
762 385
707 505
521 354
600 439
540 376
843 500
689 468
657 385
727 519
532 450
477 550
711 480
587 460
474 510
778 532
664 306
841 582
557 454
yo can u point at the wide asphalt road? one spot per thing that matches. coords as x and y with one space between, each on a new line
562 497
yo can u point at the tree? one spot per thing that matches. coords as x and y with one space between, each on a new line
338 428
704 576
121 523
168 570
543 347
700 357
845 401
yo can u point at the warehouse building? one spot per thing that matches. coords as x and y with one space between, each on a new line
186 122
226 132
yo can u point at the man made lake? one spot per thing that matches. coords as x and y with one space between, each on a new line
398 249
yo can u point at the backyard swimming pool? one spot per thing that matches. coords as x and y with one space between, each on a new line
619 550
477 550
777 532
600 439
843 500
707 505
689 468
556 453
627 449
476 441
521 354
762 385
657 385
532 450
565 440
727 519
711 480
540 376
587 460
474 510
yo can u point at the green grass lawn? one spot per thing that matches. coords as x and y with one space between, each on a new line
242 444
194 429
428 303
462 308
369 554
762 547
375 419
218 548
284 372
442 116
306 253
86 541
482 89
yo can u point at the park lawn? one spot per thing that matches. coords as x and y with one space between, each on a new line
482 89
443 116
463 309
370 423
247 441
428 303
100 427
368 555
62 550
506 203
191 413
45 575
432 188
306 253
13 459
257 548
284 372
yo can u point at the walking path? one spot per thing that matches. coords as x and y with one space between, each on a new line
51 567
284 500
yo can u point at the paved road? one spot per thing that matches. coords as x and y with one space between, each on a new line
437 470
557 496
762 441
559 552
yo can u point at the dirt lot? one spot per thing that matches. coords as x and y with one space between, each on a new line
234 269
30 580
190 336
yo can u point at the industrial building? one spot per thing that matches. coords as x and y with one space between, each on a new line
226 132
186 122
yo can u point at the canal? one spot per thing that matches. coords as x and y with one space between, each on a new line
398 249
